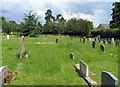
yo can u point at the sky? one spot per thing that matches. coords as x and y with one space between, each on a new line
97 11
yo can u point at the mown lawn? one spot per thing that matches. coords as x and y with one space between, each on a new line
50 64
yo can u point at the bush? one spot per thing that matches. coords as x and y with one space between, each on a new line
108 33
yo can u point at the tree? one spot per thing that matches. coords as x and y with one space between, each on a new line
8 26
89 26
31 25
115 22
49 17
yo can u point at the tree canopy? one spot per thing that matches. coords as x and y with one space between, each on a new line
115 22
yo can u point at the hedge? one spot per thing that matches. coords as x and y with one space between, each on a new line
107 33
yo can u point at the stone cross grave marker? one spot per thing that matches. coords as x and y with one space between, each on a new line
8 37
108 79
84 68
21 47
3 73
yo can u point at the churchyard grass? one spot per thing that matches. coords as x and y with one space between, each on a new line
50 64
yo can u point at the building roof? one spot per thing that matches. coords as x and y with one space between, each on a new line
103 26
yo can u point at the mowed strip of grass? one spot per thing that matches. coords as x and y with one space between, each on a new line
50 64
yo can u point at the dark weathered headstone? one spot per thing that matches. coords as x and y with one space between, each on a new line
95 39
109 41
94 44
71 55
80 39
102 48
108 80
84 40
57 40
117 43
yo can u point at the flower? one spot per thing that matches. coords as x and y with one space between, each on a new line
16 73
10 78
9 71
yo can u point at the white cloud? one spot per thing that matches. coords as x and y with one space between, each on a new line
96 12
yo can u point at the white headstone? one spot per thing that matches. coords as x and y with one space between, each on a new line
84 68
113 41
7 37
22 47
3 73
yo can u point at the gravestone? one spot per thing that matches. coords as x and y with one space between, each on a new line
3 73
95 39
84 40
84 68
113 41
80 39
117 43
108 80
104 41
94 44
99 39
21 47
89 39
57 40
71 55
109 41
102 48
8 37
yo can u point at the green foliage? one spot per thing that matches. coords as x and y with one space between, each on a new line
89 27
115 22
31 26
107 33
8 26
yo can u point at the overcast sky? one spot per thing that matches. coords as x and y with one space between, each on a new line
93 10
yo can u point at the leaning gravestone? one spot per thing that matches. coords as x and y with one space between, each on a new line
108 80
3 73
8 37
22 47
102 48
